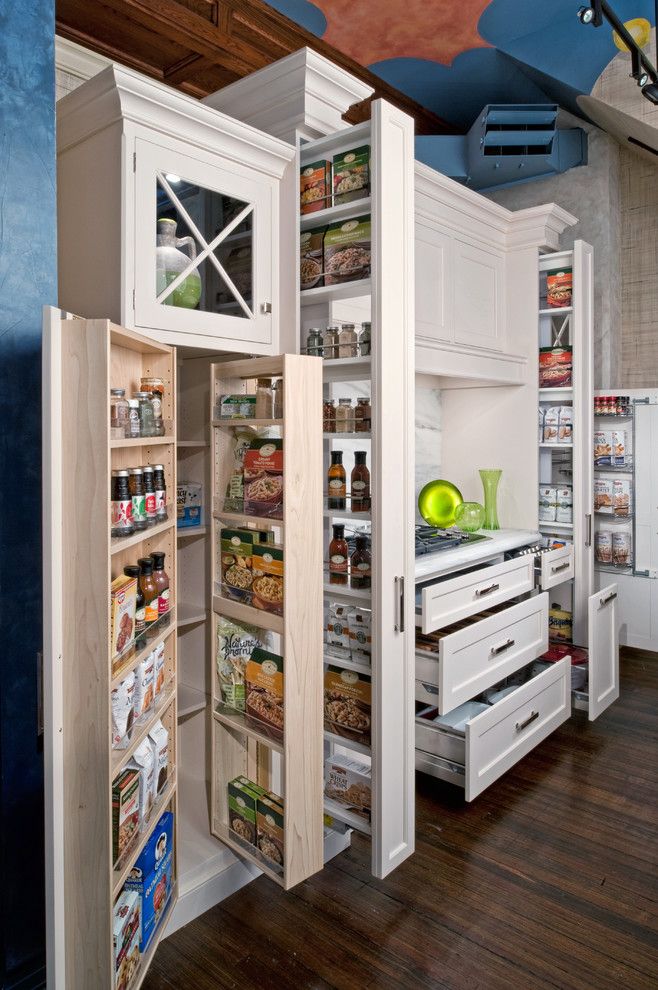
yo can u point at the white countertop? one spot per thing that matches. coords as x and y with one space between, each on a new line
431 565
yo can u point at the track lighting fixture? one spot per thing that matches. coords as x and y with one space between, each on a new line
642 69
650 92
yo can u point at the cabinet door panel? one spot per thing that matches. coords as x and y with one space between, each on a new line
603 650
433 268
478 296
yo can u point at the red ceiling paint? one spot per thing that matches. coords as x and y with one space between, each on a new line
430 29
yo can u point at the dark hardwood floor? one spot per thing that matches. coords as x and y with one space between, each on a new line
549 879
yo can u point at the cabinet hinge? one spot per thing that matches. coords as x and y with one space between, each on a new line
134 161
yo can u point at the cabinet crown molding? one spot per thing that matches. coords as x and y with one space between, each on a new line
118 95
539 226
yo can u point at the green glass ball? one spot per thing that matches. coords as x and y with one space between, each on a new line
469 517
438 502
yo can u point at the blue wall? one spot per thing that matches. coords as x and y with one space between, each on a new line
27 282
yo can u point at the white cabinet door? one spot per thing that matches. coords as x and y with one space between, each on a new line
603 650
478 296
217 277
434 284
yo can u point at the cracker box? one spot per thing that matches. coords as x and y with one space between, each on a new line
603 495
264 689
189 501
347 251
621 496
315 186
263 479
347 704
151 877
123 595
126 937
603 448
242 798
349 782
269 828
267 586
125 811
311 258
352 174
555 367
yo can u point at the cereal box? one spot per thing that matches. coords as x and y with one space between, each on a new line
315 186
555 366
151 877
621 497
242 798
189 500
347 704
123 595
263 479
264 689
352 174
125 811
311 258
267 585
350 783
347 251
126 936
603 495
603 448
269 828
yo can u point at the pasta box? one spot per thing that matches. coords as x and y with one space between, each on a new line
264 689
151 877
267 585
263 479
347 251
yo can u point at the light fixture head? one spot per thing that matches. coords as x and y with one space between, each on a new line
172 177
642 79
586 15
651 92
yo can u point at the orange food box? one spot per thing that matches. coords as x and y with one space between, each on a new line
315 187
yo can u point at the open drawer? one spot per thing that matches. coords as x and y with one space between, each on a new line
478 743
474 658
443 602
555 567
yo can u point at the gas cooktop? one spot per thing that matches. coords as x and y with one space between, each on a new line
431 540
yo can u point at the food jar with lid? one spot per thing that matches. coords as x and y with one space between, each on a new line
330 341
345 422
347 341
146 414
314 342
119 414
364 340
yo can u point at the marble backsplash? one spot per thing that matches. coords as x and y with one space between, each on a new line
428 438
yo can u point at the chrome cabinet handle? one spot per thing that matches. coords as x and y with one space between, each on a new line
520 726
266 307
561 567
486 591
399 605
605 601
588 538
496 650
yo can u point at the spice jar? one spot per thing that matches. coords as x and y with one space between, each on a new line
362 416
364 340
146 414
155 387
121 515
132 429
330 340
136 486
360 564
345 421
160 486
278 398
161 579
347 341
119 414
338 551
336 481
314 342
328 416
132 570
264 399
149 495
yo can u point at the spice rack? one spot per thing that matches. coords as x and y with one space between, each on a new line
619 526
291 766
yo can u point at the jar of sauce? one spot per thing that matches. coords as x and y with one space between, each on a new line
338 554
336 481
360 483
151 594
360 565
162 584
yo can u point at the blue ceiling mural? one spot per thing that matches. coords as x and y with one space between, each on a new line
454 56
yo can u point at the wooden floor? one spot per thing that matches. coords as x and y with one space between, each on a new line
549 879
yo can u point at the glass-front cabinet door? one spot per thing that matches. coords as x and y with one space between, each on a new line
204 249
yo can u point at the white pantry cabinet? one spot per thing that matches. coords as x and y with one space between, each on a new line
138 161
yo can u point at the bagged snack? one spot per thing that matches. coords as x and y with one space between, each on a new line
565 428
122 711
619 447
143 761
158 669
235 645
347 251
269 827
315 186
144 686
123 595
263 478
237 406
603 448
267 585
338 633
311 258
564 508
352 174
603 546
264 689
555 366
559 287
347 704
621 548
547 503
621 496
151 877
350 783
551 424
189 500
603 495
242 798
560 622
359 622
159 741
126 936
125 811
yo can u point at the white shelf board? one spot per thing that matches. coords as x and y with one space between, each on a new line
557 446
330 293
200 855
343 593
556 527
347 663
556 311
333 214
351 137
346 514
190 700
356 747
355 369
556 394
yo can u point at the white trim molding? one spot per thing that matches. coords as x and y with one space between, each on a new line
78 61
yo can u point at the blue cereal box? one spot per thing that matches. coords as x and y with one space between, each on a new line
151 876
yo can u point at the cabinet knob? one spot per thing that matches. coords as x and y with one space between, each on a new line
266 307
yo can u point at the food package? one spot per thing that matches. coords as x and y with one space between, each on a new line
234 499
123 595
315 186
555 367
263 478
189 502
352 174
144 762
621 496
359 622
565 428
122 711
125 811
269 828
243 796
349 782
603 448
547 503
559 285
159 741
311 258
564 506
267 585
338 633
621 548
347 704
551 424
235 645
619 447
264 689
126 937
144 686
236 546
151 877
603 546
603 495
347 251
159 672
560 623
237 406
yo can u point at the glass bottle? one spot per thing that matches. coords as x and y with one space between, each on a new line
338 553
330 339
132 428
170 262
149 495
122 522
146 414
156 388
336 481
362 416
345 421
161 579
160 486
136 486
150 592
132 570
360 564
119 413
360 483
314 342
264 399
347 341
364 340
278 398
328 416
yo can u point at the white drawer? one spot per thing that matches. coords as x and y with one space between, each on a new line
488 744
555 567
472 659
445 602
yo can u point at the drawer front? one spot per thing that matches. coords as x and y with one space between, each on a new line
501 736
556 566
473 659
448 601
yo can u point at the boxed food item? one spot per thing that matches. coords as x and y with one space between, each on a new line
125 811
189 501
621 548
338 632
242 799
565 428
603 546
123 595
551 424
144 686
263 478
603 495
159 672
122 711
560 623
621 496
559 287
235 645
151 877
564 508
159 741
269 828
236 546
264 689
347 704
237 406
555 367
126 937
315 186
359 622
311 258
547 503
603 448
352 174
350 783
144 762
347 251
619 447
267 585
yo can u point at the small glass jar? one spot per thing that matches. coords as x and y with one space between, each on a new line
330 340
264 399
328 416
132 429
314 342
345 422
119 413
278 398
146 414
362 415
364 340
347 341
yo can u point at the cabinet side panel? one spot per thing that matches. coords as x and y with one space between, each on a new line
583 426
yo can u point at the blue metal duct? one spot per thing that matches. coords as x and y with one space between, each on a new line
508 143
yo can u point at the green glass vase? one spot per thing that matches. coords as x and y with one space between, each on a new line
490 478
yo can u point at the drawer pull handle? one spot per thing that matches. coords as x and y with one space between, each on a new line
486 591
495 650
520 726
605 601
561 567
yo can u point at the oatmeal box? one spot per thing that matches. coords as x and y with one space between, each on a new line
269 827
347 704
243 795
264 690
352 174
263 478
347 251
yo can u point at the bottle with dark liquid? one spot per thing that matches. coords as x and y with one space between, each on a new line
338 555
360 483
337 481
132 570
161 579
360 565
150 592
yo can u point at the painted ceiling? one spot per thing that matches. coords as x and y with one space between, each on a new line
454 56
